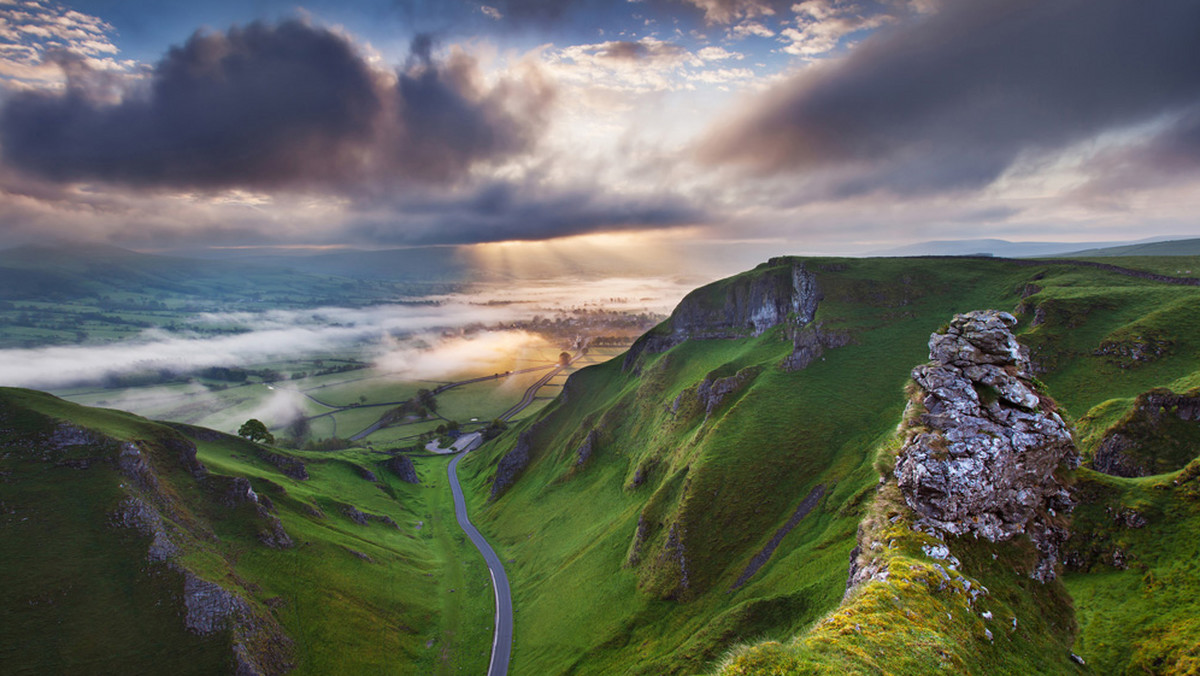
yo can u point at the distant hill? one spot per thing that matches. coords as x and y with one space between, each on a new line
442 263
1175 247
990 247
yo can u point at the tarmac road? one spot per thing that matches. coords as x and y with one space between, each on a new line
502 638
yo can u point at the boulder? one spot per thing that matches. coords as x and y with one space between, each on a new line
402 467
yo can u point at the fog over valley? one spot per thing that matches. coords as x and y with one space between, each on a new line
426 338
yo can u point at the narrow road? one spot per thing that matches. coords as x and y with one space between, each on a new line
379 424
502 638
442 388
532 392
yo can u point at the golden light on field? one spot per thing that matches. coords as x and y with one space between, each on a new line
595 254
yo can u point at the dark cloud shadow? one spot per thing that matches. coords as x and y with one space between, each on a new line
271 106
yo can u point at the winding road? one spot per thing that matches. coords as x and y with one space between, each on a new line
533 390
502 638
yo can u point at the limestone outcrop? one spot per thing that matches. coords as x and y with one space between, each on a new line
747 305
402 467
512 464
1158 435
982 459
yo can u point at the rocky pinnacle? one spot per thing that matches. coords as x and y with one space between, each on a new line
983 458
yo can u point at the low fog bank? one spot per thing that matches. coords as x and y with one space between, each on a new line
434 338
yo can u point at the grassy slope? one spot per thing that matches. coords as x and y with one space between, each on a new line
929 616
732 480
395 613
1137 580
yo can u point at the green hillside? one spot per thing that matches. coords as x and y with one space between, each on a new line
116 534
650 531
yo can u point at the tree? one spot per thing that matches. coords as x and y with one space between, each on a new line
426 399
254 430
299 428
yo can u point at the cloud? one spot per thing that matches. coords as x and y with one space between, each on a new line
31 36
1164 158
502 210
270 106
728 11
266 336
644 65
491 351
647 49
954 99
822 24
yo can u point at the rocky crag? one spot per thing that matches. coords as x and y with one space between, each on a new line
259 645
973 467
984 456
780 291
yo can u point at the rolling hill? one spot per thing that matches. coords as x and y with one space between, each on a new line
706 490
735 494
1176 247
136 546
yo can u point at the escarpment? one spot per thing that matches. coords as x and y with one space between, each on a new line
779 291
984 456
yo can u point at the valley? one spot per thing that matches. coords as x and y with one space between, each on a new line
685 504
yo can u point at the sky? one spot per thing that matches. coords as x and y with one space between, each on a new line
817 126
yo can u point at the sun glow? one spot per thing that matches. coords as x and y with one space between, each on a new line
612 253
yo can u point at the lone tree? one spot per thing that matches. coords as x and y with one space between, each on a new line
254 430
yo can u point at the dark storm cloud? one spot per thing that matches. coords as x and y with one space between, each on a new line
1168 157
501 211
270 106
952 100
624 50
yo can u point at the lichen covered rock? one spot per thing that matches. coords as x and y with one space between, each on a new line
513 462
983 458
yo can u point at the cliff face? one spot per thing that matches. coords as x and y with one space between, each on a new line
984 456
779 291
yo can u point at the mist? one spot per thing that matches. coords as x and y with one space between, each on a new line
431 338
